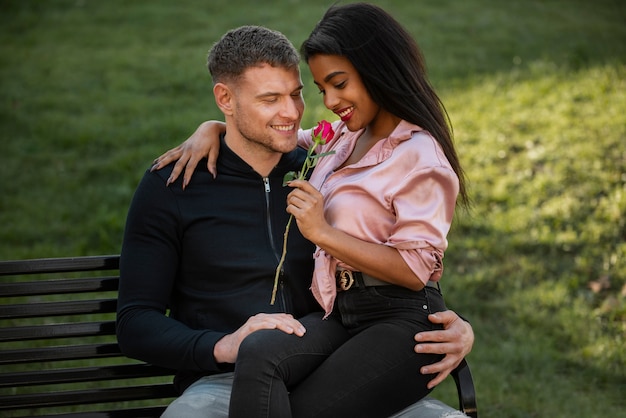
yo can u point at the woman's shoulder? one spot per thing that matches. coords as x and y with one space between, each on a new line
423 148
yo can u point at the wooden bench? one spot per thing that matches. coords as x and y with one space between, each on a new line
58 352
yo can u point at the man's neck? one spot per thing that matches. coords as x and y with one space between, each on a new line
256 156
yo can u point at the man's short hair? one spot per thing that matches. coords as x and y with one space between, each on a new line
249 46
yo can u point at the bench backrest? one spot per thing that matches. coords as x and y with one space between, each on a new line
58 350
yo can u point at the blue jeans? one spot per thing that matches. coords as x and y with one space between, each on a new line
360 362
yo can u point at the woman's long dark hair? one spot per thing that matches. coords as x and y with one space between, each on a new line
391 66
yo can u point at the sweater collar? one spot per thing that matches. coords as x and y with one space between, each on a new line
229 161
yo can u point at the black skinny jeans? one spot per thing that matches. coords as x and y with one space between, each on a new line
360 362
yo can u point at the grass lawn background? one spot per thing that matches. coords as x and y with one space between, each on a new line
91 91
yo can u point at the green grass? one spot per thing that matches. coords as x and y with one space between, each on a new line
91 91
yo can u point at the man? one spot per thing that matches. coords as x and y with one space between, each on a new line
208 254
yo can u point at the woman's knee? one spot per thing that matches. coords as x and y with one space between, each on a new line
260 345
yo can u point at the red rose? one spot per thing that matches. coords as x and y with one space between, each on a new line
323 132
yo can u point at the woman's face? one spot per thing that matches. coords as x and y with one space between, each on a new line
343 90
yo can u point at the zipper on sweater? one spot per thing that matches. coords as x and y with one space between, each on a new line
266 184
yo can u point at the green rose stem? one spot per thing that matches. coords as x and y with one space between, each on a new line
309 163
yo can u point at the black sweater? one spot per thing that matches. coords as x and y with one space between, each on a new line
207 254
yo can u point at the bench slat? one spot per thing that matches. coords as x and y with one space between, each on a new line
60 265
79 307
89 396
59 286
39 332
153 412
76 352
82 374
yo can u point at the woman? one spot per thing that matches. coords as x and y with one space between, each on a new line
379 210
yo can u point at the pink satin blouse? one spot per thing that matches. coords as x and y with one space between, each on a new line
402 193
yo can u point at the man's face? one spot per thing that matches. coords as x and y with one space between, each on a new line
268 107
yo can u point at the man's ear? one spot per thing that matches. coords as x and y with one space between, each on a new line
223 98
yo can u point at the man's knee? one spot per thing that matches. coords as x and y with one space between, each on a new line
209 397
194 406
429 408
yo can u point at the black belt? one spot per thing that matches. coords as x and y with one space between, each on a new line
347 279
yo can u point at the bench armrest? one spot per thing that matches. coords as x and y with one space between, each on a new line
465 389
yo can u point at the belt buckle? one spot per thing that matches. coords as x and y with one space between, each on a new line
346 279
